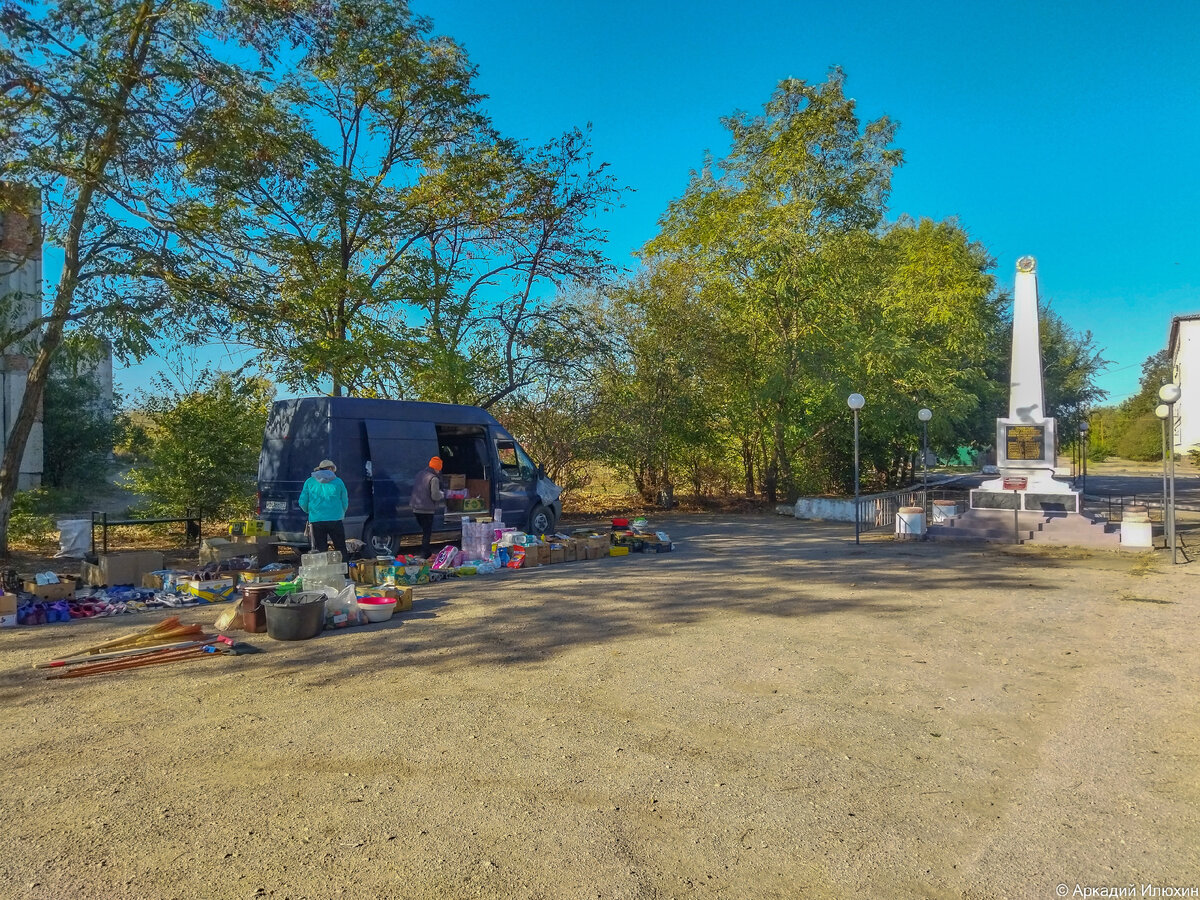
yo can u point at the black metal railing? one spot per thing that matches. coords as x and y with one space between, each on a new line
100 520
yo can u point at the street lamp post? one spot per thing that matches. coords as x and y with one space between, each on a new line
1169 394
1083 454
856 402
1162 411
925 414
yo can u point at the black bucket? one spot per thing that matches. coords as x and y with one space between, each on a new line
295 617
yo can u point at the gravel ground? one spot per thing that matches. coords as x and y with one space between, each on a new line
771 711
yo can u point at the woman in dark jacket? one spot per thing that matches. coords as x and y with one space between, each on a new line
426 498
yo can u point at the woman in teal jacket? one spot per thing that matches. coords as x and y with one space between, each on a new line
325 500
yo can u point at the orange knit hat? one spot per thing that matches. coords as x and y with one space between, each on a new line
436 464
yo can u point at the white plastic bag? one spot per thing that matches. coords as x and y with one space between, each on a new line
345 600
74 538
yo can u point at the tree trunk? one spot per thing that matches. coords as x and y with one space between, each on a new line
748 465
35 387
95 165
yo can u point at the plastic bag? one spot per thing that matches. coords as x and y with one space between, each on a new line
74 538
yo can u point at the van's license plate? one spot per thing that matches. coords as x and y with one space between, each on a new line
275 506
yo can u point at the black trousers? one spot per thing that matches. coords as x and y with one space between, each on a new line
323 532
425 520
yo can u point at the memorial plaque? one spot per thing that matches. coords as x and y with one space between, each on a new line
1025 442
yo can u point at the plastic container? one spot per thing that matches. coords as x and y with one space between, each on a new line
254 615
295 617
378 609
323 558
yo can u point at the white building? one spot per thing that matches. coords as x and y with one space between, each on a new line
1183 348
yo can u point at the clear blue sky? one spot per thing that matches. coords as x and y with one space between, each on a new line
1068 130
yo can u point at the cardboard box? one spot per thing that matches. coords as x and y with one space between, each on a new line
154 582
215 590
361 572
125 567
250 528
456 482
253 576
61 591
215 550
558 554
402 595
543 552
531 559
8 610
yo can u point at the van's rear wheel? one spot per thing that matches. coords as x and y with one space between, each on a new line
541 520
379 542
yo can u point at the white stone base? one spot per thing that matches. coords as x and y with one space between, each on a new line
1137 535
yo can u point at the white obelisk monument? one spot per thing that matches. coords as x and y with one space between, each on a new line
1026 449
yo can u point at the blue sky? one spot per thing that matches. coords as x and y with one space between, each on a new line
1067 131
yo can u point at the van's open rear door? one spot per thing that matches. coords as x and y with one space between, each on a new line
397 451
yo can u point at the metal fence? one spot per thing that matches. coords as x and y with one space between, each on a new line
878 512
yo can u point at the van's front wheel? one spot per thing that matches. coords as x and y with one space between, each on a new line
541 520
379 542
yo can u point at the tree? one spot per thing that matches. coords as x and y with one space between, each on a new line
98 103
204 443
812 296
78 426
653 410
1070 364
1132 430
406 237
770 229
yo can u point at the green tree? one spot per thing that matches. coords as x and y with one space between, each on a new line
77 422
812 297
773 230
204 442
1133 429
652 409
98 105
406 235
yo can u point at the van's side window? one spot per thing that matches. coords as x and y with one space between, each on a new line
513 461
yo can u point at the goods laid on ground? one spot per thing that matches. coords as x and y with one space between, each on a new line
289 604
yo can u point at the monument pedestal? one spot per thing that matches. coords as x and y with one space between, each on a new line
1031 489
1033 499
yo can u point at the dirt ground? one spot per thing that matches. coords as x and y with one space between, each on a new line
771 711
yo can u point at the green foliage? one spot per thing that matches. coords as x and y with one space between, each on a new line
1132 430
1070 365
78 424
30 521
204 443
99 101
655 402
405 238
809 298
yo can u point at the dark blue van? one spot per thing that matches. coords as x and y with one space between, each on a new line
379 446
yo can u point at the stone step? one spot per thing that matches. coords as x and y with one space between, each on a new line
1063 529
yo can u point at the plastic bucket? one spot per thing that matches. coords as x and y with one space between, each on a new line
295 617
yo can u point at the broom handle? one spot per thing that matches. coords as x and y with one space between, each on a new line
135 651
120 665
165 625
